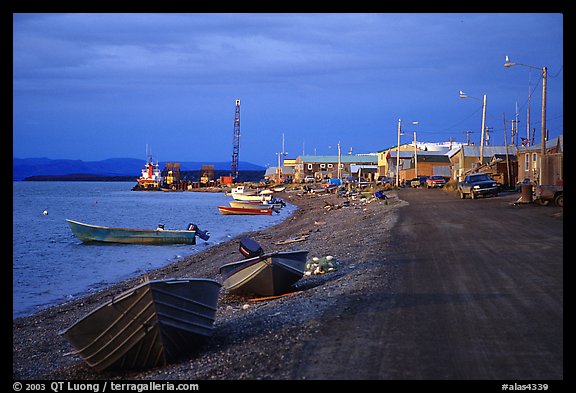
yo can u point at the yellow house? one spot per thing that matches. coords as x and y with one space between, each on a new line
385 165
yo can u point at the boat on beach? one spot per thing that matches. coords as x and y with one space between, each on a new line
258 198
256 205
229 210
151 325
266 274
158 236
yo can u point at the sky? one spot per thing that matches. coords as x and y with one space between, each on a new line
95 86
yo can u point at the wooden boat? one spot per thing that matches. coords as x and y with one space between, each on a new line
229 210
150 325
95 233
266 275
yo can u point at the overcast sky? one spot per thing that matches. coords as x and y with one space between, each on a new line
97 86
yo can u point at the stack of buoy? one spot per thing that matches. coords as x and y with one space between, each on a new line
321 265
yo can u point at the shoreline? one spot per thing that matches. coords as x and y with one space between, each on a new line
40 353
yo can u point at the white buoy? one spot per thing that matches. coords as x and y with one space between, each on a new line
45 212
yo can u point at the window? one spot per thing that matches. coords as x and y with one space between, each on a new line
322 165
329 165
534 160
309 167
527 162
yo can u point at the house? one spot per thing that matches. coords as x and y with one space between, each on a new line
467 157
429 164
286 174
529 162
387 157
322 167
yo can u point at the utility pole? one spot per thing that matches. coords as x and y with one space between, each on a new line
398 156
281 153
339 163
483 125
415 157
506 144
528 113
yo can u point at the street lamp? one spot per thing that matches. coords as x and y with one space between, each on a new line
544 70
464 95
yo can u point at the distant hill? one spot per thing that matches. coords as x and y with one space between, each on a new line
27 167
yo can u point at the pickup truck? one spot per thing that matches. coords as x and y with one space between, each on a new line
550 193
477 184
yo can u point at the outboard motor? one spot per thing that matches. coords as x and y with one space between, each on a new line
204 235
250 248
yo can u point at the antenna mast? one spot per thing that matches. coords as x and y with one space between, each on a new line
236 142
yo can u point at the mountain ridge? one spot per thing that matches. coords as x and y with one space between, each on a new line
41 166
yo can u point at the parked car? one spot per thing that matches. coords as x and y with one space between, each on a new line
383 180
359 182
477 184
418 181
435 181
309 179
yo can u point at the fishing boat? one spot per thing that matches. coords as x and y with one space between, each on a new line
151 325
265 275
242 190
96 233
151 177
229 210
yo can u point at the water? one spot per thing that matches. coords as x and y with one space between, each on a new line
51 266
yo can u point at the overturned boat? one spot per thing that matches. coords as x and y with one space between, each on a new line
265 274
151 325
97 233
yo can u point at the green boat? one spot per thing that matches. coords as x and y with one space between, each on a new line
153 324
158 236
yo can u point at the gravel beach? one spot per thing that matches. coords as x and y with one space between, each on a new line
253 338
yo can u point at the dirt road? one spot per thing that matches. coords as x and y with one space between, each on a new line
477 294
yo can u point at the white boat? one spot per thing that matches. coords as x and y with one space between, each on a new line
243 197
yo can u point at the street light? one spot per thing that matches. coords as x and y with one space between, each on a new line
464 95
544 70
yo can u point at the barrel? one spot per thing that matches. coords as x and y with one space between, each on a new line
526 193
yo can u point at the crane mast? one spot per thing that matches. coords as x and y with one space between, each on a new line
236 142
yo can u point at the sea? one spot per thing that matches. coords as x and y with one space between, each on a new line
51 266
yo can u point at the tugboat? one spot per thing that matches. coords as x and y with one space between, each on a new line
151 176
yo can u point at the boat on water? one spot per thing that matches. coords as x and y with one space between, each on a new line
151 177
229 210
266 274
97 233
151 325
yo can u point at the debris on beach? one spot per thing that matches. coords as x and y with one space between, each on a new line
321 265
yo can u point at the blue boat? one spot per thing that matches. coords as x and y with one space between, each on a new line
158 236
